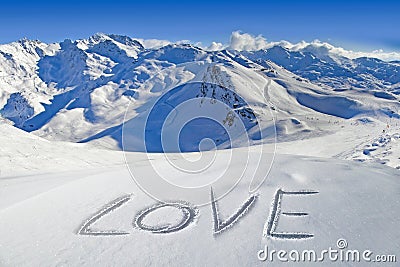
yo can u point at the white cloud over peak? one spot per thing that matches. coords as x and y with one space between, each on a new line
214 46
153 43
244 41
157 43
247 42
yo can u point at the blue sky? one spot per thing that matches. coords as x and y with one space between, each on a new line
358 25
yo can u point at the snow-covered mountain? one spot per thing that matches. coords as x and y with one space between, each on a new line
79 91
282 121
341 73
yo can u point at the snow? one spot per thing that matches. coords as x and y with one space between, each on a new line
298 148
88 84
24 154
42 214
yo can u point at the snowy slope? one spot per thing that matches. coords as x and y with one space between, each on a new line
42 217
26 154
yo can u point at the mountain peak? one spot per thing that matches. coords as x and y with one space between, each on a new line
122 39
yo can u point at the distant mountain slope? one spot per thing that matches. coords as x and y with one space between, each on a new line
79 91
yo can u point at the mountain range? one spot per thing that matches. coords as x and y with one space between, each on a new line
80 91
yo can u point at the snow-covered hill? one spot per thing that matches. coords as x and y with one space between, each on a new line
80 91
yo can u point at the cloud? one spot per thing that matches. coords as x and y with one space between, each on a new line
215 47
246 42
328 49
153 43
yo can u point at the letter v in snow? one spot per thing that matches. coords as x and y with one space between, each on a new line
219 225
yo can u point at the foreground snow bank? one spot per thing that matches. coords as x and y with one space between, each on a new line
305 204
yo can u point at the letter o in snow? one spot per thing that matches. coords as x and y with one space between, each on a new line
188 216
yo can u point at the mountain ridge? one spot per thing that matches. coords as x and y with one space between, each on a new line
76 90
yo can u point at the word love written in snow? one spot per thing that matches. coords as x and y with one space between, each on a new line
189 214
